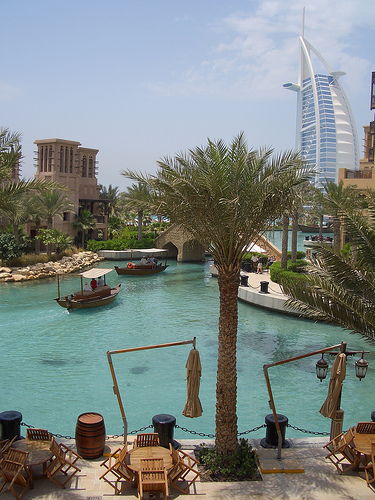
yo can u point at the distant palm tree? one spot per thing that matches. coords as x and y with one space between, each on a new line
340 289
51 203
10 153
224 196
137 198
111 194
83 223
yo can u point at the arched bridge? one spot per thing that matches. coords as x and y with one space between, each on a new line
182 245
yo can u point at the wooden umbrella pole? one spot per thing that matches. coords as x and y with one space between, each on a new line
271 401
133 349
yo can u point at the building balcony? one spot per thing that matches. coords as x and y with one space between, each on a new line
358 174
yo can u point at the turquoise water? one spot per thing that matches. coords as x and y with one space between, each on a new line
54 364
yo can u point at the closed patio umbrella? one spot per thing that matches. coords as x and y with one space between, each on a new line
338 372
193 407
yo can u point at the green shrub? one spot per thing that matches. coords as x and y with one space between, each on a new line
300 254
10 248
241 466
121 243
294 271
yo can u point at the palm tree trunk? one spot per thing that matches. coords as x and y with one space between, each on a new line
226 385
321 227
140 222
15 231
284 243
49 226
37 241
336 234
294 235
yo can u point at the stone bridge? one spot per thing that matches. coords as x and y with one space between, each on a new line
182 245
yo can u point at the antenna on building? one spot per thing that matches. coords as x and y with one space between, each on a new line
303 23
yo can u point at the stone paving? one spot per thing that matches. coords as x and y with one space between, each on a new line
320 480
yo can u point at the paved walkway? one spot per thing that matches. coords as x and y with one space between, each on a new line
320 480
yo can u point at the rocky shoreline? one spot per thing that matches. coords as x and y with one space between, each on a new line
40 270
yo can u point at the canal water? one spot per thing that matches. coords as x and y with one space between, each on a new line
54 365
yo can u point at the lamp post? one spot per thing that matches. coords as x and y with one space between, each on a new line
321 372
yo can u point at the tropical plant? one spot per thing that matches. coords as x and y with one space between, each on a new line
137 198
224 196
60 240
10 153
83 222
111 195
50 203
10 248
338 288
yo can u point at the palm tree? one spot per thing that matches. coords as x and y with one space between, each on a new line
224 195
136 198
111 195
51 203
341 289
338 196
83 223
10 153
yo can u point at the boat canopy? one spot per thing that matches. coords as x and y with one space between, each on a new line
95 273
149 251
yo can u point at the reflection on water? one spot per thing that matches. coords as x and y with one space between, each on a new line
54 365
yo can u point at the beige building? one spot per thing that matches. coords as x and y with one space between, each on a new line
364 178
74 166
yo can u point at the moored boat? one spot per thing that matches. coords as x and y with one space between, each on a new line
84 299
315 229
143 268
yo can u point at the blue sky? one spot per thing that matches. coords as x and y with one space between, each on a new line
141 80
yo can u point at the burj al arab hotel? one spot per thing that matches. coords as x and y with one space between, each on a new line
326 132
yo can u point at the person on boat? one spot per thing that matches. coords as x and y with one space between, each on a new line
143 261
87 288
153 261
100 281
93 284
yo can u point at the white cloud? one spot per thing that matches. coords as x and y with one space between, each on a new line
261 48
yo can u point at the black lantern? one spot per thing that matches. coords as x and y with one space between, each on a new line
321 368
361 366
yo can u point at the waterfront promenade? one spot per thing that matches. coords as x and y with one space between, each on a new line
320 480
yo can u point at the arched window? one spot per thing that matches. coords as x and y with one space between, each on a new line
91 164
61 160
71 161
84 166
41 159
66 159
50 154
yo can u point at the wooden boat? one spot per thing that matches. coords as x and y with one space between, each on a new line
101 296
315 229
137 269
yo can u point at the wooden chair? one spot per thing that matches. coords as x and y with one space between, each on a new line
4 447
370 468
38 435
63 461
340 450
365 428
146 439
183 465
11 468
152 478
116 466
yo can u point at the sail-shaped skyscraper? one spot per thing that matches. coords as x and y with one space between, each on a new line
326 131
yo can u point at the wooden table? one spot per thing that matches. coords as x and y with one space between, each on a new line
39 453
136 454
362 445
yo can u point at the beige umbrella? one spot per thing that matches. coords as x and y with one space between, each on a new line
338 372
193 407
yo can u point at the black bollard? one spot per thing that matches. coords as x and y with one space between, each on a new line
271 440
10 425
264 287
244 280
164 425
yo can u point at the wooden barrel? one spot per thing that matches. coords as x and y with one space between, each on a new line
90 435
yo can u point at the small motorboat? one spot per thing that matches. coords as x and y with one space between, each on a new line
143 269
83 299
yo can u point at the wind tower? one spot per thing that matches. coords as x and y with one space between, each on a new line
326 133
